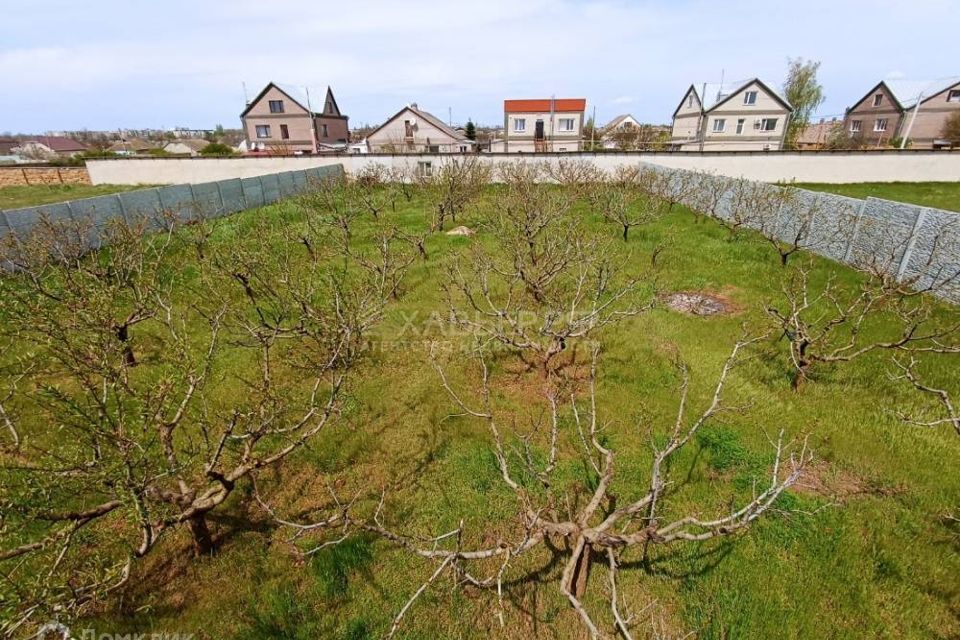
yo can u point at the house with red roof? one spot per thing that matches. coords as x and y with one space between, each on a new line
542 125
49 147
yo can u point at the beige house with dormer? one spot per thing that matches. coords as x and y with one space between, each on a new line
413 130
737 116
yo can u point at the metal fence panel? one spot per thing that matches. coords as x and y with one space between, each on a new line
252 192
177 201
231 193
271 188
206 197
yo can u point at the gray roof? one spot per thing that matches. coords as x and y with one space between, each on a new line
907 92
439 124
717 92
618 120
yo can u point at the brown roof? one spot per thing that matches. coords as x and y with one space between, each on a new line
559 105
7 145
197 144
58 143
818 133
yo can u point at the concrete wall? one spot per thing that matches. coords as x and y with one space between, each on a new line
185 202
830 167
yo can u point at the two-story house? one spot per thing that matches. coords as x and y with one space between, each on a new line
549 124
413 130
737 116
283 120
896 109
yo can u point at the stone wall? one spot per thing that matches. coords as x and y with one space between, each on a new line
16 176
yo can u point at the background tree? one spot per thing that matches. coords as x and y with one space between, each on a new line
951 129
470 130
804 92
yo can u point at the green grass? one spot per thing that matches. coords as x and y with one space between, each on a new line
878 562
941 195
31 195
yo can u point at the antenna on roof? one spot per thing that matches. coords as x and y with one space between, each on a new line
246 98
450 116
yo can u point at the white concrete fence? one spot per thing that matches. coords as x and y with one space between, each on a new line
830 167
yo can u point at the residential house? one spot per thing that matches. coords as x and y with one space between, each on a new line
816 136
131 147
413 130
548 124
895 109
626 133
186 146
49 147
282 120
736 116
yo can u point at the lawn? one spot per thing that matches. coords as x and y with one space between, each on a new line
861 551
940 195
31 195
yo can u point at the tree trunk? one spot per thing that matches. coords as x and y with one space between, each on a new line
626 230
582 571
202 542
123 335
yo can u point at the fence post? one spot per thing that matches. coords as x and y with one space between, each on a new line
123 209
853 232
223 205
911 243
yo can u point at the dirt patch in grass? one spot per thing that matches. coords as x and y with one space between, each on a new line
700 303
828 481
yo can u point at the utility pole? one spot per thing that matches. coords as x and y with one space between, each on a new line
313 122
906 135
593 129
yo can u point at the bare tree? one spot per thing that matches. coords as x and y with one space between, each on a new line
791 222
547 285
595 522
950 415
452 186
832 323
579 176
140 451
629 197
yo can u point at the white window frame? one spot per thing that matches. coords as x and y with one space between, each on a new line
519 125
856 126
425 168
264 128
719 124
750 98
279 103
740 123
763 124
877 99
953 95
880 125
566 125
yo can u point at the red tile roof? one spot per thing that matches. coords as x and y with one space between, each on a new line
560 105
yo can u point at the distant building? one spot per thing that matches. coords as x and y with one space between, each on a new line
901 108
48 148
540 125
131 147
281 119
735 116
816 136
185 146
413 130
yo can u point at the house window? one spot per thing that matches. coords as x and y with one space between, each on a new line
424 169
855 126
323 128
878 100
690 101
750 97
263 131
407 129
565 124
276 106
356 150
463 148
740 125
880 124
284 132
519 125
719 124
953 95
433 148
768 124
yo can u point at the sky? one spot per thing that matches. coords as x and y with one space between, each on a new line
108 64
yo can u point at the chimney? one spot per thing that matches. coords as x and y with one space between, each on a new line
413 105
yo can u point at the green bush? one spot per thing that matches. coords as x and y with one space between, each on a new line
217 149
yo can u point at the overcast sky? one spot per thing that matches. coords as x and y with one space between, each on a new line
104 64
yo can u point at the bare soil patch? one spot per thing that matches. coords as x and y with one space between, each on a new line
700 303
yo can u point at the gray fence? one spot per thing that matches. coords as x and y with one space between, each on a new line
919 246
184 202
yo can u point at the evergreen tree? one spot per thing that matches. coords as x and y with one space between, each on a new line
471 130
